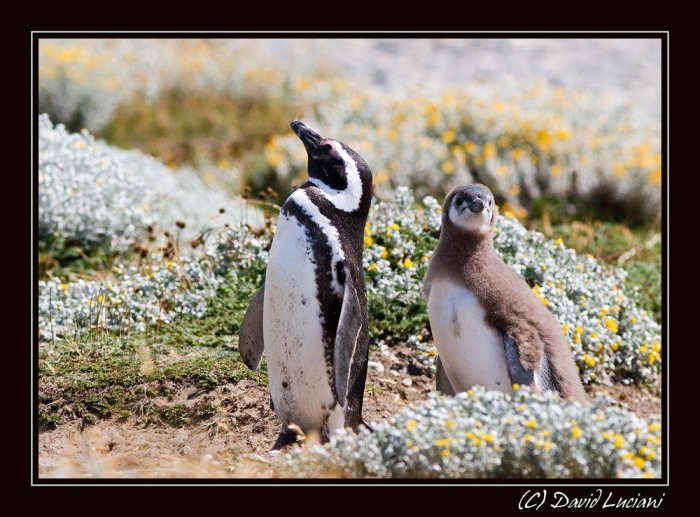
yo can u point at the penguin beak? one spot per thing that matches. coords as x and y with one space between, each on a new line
477 206
310 138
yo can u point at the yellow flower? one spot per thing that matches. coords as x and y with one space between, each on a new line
607 435
81 145
447 167
449 135
373 267
565 327
590 361
612 325
619 440
654 427
638 462
516 386
444 442
395 226
469 146
576 432
544 301
515 189
594 335
655 177
64 286
385 253
408 263
489 150
470 435
555 170
445 453
368 241
100 299
410 426
531 423
470 392
544 139
547 445
488 438
449 424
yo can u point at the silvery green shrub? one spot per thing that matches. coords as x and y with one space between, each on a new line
102 195
85 192
488 434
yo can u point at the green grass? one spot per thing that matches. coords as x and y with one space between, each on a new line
101 375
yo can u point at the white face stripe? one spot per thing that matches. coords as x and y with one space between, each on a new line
346 200
473 222
328 229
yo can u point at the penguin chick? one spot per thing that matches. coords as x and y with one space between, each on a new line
310 315
490 329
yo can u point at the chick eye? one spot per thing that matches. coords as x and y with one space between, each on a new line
459 202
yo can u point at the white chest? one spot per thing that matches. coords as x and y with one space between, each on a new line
470 349
297 369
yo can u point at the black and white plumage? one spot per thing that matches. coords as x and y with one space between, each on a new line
490 329
310 315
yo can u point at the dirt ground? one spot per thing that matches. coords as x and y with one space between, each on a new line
235 442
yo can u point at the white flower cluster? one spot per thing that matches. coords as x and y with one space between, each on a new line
86 194
133 300
488 434
149 294
523 140
98 194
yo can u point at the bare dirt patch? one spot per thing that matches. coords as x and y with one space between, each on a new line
235 440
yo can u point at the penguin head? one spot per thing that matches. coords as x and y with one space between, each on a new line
470 208
334 165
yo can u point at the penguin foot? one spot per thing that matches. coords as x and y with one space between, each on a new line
286 438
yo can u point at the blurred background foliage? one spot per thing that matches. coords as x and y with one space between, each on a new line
569 162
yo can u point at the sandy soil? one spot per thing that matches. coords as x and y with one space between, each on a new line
235 442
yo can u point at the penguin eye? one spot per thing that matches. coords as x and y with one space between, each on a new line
459 201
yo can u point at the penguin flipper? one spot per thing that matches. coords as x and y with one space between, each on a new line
442 383
251 343
518 374
346 341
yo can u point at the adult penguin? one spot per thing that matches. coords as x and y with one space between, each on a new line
310 315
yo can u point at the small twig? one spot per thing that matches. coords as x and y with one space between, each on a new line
264 203
53 341
75 345
631 252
